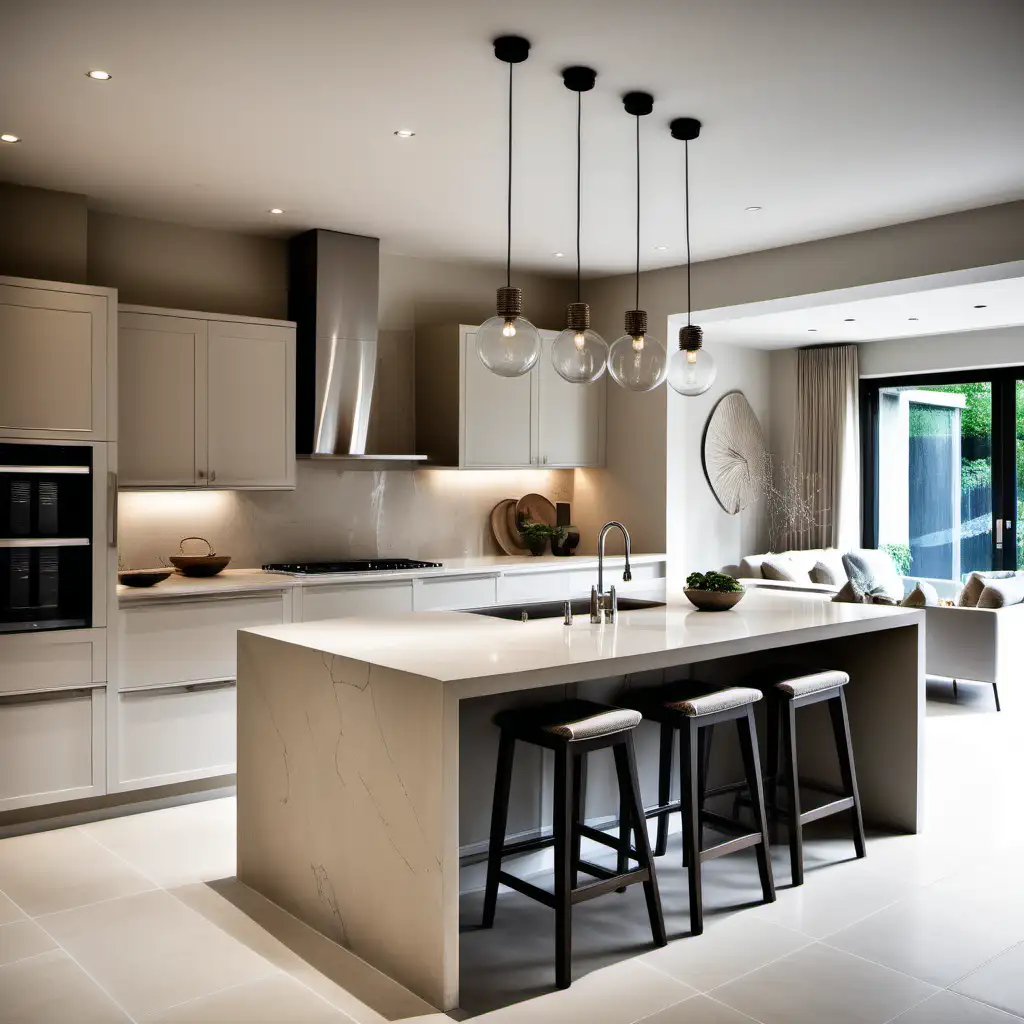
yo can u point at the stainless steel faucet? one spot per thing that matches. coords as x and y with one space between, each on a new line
603 607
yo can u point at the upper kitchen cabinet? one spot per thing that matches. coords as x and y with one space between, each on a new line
468 417
57 350
206 400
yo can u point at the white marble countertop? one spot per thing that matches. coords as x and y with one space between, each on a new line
242 580
453 647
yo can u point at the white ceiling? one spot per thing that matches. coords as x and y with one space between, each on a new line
917 307
834 116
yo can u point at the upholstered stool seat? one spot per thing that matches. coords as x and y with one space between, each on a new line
692 710
573 729
787 691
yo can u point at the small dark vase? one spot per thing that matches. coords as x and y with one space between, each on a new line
569 540
538 546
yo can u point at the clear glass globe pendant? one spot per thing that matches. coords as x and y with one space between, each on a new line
579 354
637 361
691 370
508 344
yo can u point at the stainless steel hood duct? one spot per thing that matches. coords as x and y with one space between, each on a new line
332 296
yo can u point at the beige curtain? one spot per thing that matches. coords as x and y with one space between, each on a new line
828 445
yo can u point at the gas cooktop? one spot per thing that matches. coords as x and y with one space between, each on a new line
353 565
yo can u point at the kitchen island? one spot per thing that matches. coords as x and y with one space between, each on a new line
349 745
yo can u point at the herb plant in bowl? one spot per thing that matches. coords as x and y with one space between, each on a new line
536 535
713 591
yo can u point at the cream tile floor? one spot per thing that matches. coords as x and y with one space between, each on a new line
140 919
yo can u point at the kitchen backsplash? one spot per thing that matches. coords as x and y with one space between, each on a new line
333 513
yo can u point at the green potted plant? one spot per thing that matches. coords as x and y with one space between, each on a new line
537 535
713 591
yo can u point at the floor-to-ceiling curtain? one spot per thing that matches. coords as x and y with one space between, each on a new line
828 445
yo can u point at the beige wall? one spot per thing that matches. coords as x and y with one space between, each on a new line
42 234
1001 346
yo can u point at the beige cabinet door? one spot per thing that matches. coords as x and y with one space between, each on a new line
250 405
158 359
54 354
497 418
570 416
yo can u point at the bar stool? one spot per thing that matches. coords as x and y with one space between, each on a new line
572 729
693 710
784 698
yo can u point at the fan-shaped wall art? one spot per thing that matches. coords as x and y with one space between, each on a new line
734 455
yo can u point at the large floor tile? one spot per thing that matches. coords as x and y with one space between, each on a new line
932 937
151 951
22 939
335 974
949 1008
9 911
51 871
737 946
193 843
1000 982
621 994
53 989
698 1010
273 1000
818 984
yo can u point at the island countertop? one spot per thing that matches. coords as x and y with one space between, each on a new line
465 648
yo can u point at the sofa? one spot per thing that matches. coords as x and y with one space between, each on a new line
973 644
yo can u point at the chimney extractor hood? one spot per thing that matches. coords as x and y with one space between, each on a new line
332 297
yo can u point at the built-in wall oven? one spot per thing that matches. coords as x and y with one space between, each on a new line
54 527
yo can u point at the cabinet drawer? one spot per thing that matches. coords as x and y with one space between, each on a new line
645 577
188 641
450 594
539 586
51 747
38 662
342 600
175 734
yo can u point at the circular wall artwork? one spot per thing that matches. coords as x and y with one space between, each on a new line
734 455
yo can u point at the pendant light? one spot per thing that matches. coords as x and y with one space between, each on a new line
637 360
508 344
691 371
579 354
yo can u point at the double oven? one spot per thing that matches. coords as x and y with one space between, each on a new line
56 525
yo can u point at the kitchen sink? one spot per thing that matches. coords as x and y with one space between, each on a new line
556 609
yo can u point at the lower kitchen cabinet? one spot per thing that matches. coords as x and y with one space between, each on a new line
340 600
175 734
441 593
52 746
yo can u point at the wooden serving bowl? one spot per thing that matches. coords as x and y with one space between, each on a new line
199 565
142 577
714 600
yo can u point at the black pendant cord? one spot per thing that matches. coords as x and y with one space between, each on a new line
638 212
508 247
579 163
686 192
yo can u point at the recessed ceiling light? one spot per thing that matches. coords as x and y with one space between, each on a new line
559 255
849 320
981 307
275 209
913 318
751 209
404 133
812 330
9 138
99 76
661 248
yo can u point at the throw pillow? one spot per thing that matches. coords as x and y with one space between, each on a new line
823 572
883 599
852 594
975 584
874 572
781 567
1002 593
924 595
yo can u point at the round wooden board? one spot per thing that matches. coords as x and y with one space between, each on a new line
503 519
538 508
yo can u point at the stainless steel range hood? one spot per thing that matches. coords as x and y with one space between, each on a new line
332 297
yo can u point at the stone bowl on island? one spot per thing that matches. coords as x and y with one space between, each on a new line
714 600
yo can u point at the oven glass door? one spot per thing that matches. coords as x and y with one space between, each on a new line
45 536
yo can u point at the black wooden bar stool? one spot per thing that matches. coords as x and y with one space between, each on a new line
693 709
785 696
572 729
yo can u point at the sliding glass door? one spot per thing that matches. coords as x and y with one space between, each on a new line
941 460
